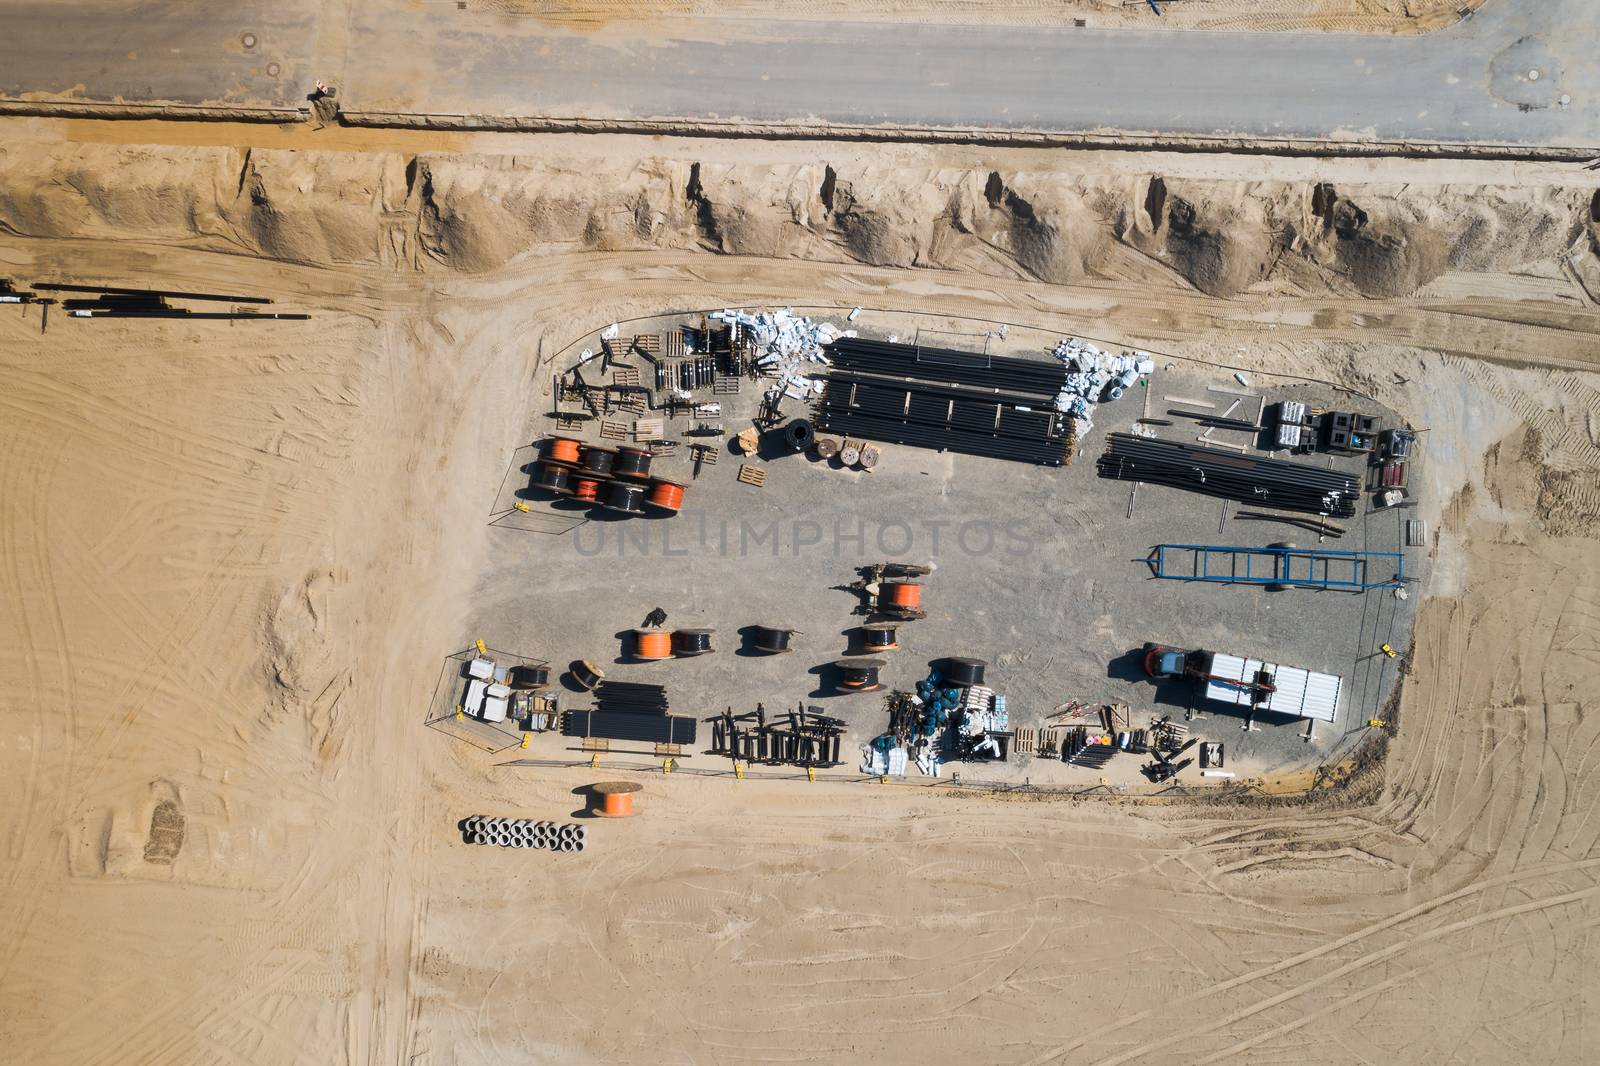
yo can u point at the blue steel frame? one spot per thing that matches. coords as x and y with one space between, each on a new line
1281 566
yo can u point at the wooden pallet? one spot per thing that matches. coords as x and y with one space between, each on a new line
596 743
625 375
705 454
668 751
674 349
752 475
632 403
649 342
661 449
1026 741
648 428
616 347
725 385
612 429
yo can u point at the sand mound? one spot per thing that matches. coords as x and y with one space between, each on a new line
476 213
1385 256
1218 237
74 190
1042 222
317 207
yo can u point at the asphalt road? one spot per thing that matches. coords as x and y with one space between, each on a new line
1468 83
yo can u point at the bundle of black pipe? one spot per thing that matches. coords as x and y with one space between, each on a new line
631 697
880 636
1260 481
554 476
859 675
946 418
632 462
771 640
626 497
586 674
798 435
687 642
1040 378
964 672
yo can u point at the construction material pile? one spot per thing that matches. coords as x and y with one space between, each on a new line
523 833
1259 481
781 343
1095 377
799 738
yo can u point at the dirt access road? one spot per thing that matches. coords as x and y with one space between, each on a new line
1518 73
237 557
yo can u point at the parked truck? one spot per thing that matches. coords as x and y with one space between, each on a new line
1252 684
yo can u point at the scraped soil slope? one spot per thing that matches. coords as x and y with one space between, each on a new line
236 555
478 213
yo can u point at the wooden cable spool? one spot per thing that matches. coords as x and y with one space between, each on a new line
616 798
554 476
624 496
652 644
880 636
691 642
964 672
586 489
667 495
563 449
598 460
859 675
771 640
632 463
586 674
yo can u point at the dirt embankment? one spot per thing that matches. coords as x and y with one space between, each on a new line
476 213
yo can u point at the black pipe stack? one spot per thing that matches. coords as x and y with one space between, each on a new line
948 400
1262 482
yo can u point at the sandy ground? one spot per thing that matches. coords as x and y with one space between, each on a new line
1348 16
235 557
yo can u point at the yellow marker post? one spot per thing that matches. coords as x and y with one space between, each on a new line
666 766
523 507
461 714
738 771
594 761
1387 650
526 738
811 773
1376 723
884 780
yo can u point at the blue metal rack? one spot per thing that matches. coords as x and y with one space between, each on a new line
1300 567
